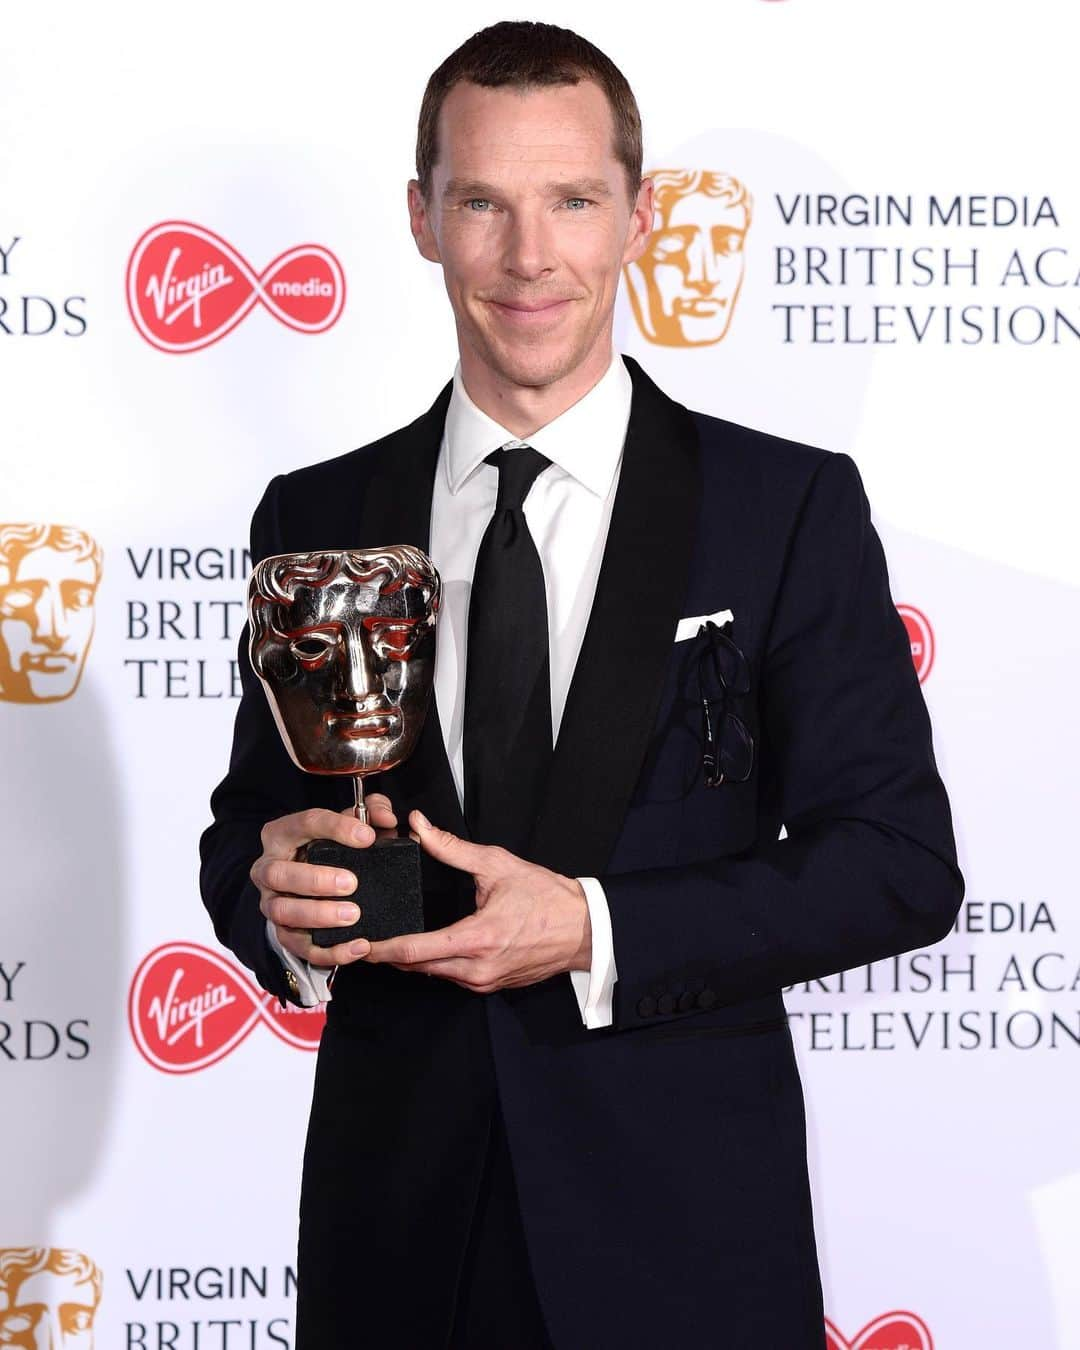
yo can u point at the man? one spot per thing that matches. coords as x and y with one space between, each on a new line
568 1114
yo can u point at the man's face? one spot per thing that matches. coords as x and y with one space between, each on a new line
691 272
48 1312
349 672
531 219
46 621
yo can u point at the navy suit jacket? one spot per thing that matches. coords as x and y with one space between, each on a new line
661 1162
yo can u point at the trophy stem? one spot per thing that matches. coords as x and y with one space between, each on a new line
359 810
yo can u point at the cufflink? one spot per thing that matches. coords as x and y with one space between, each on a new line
292 981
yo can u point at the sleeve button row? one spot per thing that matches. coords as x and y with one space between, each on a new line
648 1006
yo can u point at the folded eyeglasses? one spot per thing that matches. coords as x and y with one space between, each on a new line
723 674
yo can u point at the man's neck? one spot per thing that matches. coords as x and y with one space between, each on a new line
522 409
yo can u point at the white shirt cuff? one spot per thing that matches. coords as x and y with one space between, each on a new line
594 988
311 980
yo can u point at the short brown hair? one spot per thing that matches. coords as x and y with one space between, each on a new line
521 54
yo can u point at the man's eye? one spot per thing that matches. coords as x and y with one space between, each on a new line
576 203
479 204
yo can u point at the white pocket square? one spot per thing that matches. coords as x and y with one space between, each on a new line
688 628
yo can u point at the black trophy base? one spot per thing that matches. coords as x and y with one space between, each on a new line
387 888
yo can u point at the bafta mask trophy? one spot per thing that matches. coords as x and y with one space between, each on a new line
343 641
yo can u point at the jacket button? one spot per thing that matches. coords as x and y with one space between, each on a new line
686 1001
706 998
646 1006
666 1003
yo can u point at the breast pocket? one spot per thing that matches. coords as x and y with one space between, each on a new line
705 726
703 821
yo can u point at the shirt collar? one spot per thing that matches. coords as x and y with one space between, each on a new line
586 441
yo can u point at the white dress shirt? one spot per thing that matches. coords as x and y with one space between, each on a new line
568 511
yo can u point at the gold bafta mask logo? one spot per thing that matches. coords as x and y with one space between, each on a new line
49 1298
49 575
684 286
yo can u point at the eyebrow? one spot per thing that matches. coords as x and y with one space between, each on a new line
575 187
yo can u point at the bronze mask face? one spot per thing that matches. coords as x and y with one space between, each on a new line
343 641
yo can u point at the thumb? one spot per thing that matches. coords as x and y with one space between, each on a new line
449 848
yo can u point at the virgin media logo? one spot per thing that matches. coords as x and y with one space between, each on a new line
890 1331
189 1007
921 637
187 287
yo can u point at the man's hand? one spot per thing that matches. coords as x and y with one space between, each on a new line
287 887
529 923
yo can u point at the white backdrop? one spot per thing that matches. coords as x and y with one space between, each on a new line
943 1115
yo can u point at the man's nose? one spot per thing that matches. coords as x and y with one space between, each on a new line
361 680
50 619
529 249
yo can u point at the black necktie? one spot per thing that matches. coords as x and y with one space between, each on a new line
507 728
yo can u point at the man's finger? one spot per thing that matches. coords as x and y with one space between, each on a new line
458 939
462 970
380 810
301 878
282 837
299 943
486 860
298 911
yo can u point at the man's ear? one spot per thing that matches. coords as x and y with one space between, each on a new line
420 224
641 222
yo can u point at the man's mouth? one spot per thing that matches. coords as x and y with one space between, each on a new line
530 311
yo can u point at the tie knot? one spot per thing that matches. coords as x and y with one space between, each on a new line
519 467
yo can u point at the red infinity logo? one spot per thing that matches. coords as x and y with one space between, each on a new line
890 1331
189 1007
921 637
187 287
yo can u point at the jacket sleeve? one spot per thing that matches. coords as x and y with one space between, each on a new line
262 783
868 868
